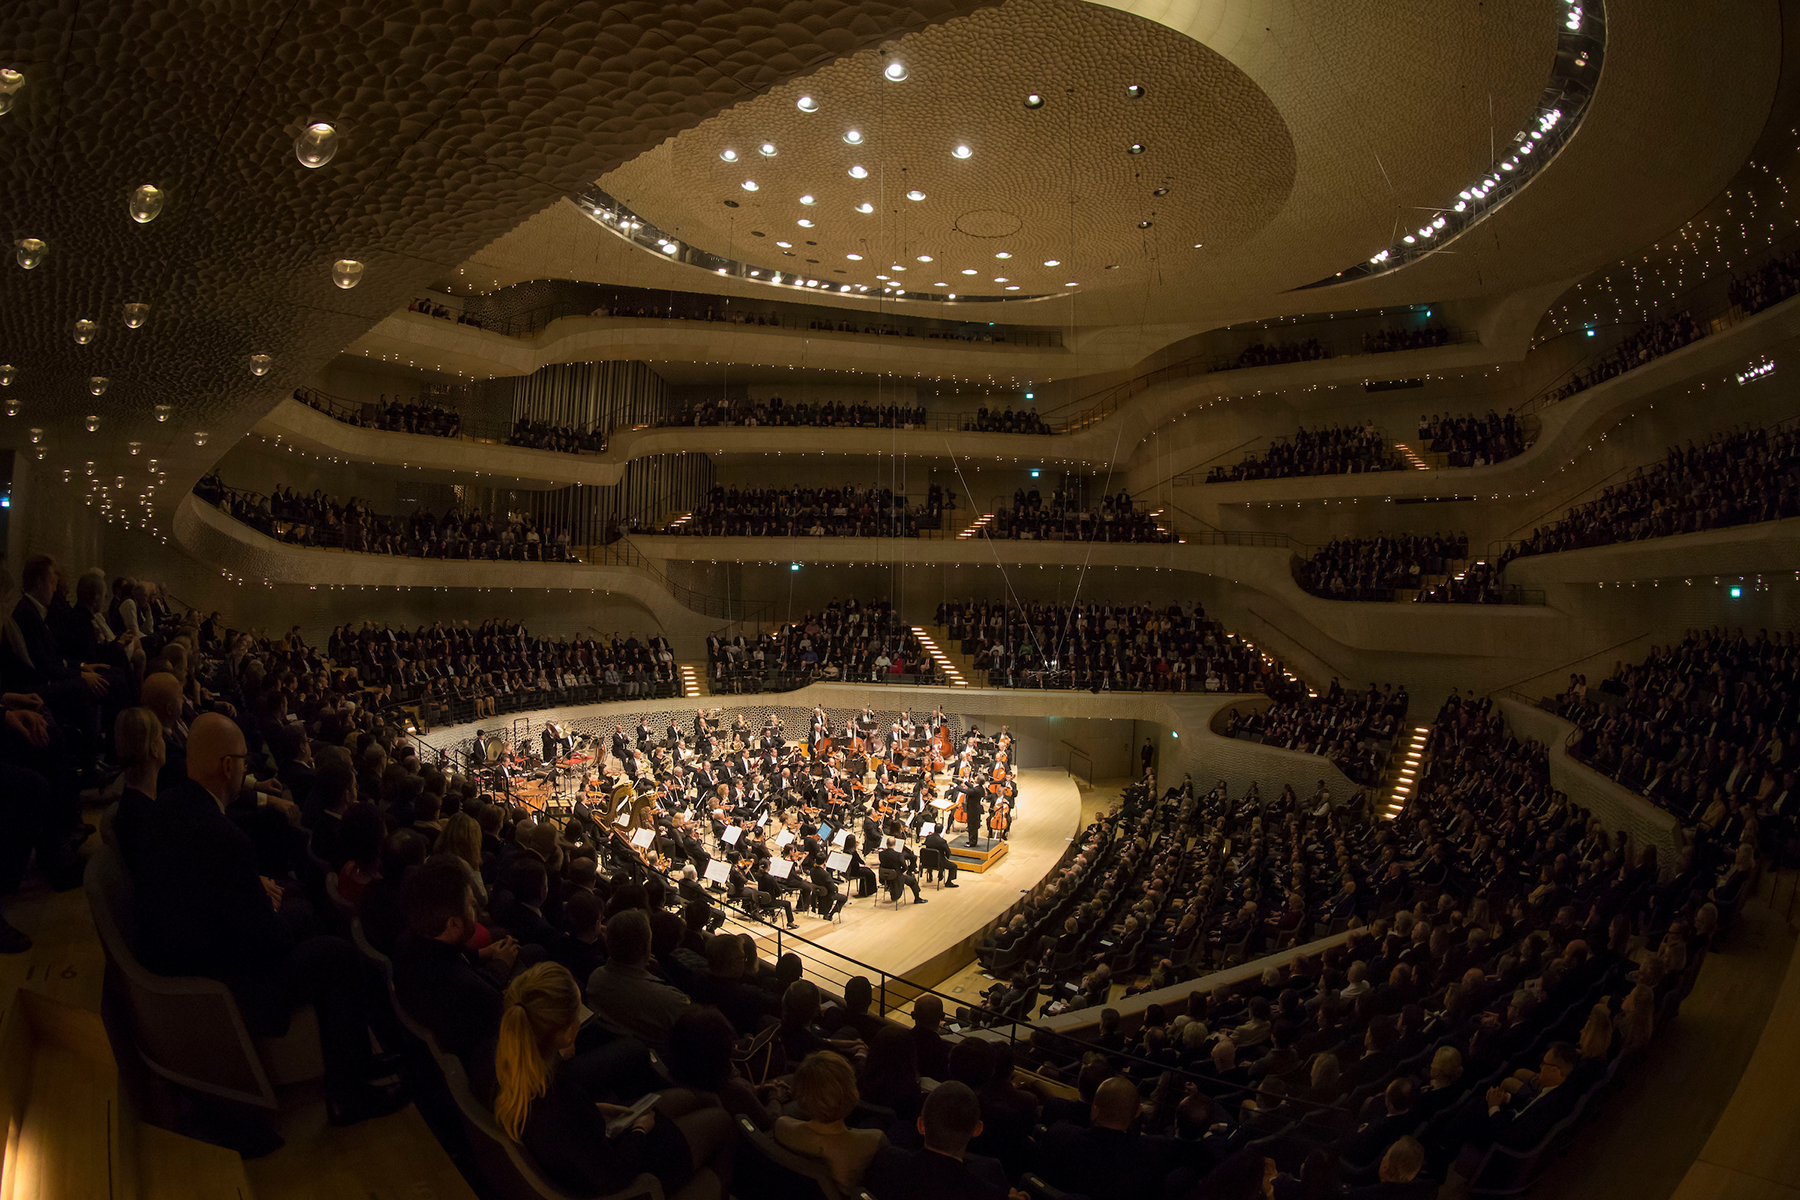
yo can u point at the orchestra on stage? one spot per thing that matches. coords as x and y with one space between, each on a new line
779 826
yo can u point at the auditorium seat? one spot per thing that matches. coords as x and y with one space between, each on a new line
188 1029
768 1170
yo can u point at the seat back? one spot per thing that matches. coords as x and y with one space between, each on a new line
504 1164
773 1172
186 1028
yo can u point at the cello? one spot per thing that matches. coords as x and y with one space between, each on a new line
1001 818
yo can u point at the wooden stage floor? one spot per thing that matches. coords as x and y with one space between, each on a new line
924 942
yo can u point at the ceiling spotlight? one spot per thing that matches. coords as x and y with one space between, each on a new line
1135 148
749 185
804 223
1012 287
97 386
30 251
259 364
728 155
940 285
896 71
859 172
767 149
136 313
8 373
853 136
1144 224
968 270
807 104
315 145
1003 254
961 152
145 203
915 194
1034 101
1197 245
1071 283
785 245
924 258
854 257
807 199
346 273
865 207
999 279
84 331
199 437
1134 91
1053 262
1161 191
669 247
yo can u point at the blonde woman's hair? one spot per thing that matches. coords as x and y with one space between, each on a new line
462 837
825 1086
1597 1034
136 735
541 1003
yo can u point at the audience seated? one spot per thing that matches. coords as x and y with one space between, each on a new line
1705 729
1263 355
812 512
1472 441
1768 285
1334 450
1103 647
1356 731
775 411
847 641
1384 340
1375 568
1069 519
541 435
1738 478
1005 421
1667 335
319 520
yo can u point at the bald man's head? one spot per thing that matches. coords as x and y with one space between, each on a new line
215 756
1115 1104
162 696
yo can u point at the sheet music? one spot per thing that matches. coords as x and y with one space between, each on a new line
780 868
643 837
943 805
927 829
623 819
842 837
718 871
787 836
731 835
837 861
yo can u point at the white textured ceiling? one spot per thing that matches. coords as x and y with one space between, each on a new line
1390 106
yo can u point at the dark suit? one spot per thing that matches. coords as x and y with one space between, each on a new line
442 988
936 842
1519 1128
896 1174
892 860
201 910
1105 1164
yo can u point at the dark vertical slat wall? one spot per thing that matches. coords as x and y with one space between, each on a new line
663 483
595 395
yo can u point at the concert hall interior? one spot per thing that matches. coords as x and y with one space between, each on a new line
865 600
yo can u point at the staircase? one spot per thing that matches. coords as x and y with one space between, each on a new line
1402 774
693 679
953 662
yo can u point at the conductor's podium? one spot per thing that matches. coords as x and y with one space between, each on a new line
985 854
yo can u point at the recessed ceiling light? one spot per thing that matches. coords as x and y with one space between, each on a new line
1012 287
940 285
1161 191
1004 254
767 149
896 71
853 136
807 199
669 247
804 223
881 277
1053 262
1197 245
1071 283
865 207
807 104
924 258
728 155
854 257
749 185
1135 148
1134 91
784 245
915 194
1112 266
968 270
1034 100
961 152
1144 224
859 172
896 267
